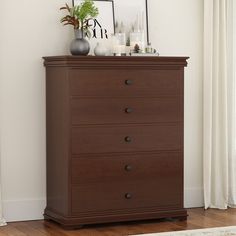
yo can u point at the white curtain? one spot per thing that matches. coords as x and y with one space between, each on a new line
2 220
232 99
219 156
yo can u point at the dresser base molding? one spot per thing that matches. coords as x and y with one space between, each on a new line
77 222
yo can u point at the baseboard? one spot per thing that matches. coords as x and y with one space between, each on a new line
193 197
23 210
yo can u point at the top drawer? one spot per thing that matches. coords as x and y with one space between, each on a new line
125 83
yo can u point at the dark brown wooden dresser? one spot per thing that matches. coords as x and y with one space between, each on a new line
114 138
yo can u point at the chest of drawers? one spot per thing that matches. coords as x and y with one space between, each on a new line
114 138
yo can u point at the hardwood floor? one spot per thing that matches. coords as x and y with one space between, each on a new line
198 218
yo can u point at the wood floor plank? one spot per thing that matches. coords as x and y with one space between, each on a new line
198 218
27 229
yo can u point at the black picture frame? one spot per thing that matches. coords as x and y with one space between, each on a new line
113 10
147 22
105 20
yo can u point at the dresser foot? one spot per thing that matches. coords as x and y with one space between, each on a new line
72 227
47 218
177 218
182 218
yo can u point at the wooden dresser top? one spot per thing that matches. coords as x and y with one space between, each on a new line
112 61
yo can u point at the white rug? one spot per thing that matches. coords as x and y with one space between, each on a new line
222 231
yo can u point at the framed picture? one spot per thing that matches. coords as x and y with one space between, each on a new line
103 27
132 14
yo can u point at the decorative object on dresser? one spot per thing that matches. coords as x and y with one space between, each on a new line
114 138
79 17
103 25
101 50
134 16
132 20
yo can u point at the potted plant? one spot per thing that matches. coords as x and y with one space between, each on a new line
79 17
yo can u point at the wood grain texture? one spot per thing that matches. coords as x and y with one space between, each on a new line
198 219
126 83
126 168
91 137
108 139
126 110
57 141
109 179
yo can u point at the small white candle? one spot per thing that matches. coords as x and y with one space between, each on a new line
138 22
119 50
142 23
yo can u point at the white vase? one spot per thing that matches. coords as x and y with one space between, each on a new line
100 50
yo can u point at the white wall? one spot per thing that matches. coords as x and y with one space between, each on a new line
176 28
30 30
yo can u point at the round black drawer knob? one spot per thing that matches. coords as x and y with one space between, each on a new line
128 196
128 110
128 167
128 139
128 82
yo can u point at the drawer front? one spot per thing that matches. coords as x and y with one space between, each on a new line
160 193
126 110
126 83
126 168
105 139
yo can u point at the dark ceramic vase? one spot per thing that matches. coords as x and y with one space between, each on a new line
79 45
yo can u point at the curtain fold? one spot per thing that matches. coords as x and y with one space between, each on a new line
232 100
219 116
2 220
215 115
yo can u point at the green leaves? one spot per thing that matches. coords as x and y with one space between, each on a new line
80 15
86 9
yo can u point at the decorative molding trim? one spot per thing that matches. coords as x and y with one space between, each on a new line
193 197
101 62
78 221
22 210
